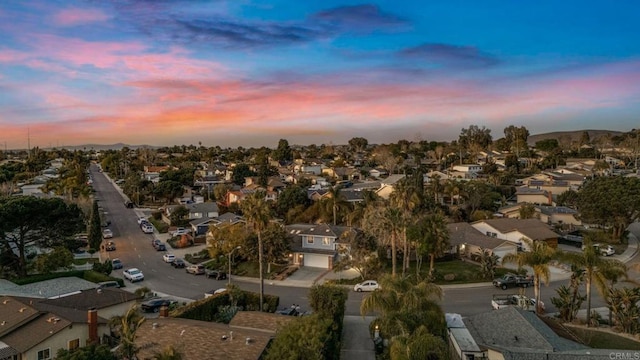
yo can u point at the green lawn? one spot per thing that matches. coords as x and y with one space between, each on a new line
250 269
463 271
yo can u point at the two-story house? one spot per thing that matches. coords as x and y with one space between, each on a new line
317 245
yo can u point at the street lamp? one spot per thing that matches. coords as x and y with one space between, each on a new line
229 273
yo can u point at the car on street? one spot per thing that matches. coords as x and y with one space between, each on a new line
179 231
147 228
214 292
110 246
161 247
369 285
215 274
154 305
155 242
107 234
178 263
141 219
168 258
197 269
133 274
116 264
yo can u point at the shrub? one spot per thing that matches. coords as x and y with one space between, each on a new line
218 307
43 277
97 277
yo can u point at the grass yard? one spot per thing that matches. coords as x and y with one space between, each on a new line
250 269
462 272
84 261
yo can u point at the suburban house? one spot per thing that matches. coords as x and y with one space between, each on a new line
558 215
388 185
35 328
513 334
466 171
152 173
377 173
533 196
201 228
317 245
467 241
197 211
342 173
514 230
246 337
510 211
555 182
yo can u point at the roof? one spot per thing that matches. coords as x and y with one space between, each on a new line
318 230
49 288
550 210
205 207
524 190
534 229
36 331
198 340
516 328
261 321
463 233
392 179
97 299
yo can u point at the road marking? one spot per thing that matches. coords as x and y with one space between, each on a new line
195 284
171 277
154 270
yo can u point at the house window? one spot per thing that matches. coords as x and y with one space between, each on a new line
491 234
44 354
326 241
309 239
74 344
197 215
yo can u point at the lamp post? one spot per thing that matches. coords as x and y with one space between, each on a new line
229 273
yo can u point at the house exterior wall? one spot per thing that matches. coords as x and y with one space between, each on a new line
567 219
115 310
319 242
467 168
494 355
61 340
533 199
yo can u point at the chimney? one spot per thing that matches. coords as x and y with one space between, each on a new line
164 311
92 320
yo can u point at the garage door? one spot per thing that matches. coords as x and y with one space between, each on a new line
314 260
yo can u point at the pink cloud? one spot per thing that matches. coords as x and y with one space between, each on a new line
75 16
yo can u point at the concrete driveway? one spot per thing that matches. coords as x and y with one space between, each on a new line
307 274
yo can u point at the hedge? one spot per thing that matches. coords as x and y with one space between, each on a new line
209 309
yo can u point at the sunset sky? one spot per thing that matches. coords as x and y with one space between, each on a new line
247 73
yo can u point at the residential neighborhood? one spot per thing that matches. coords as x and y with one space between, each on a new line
359 230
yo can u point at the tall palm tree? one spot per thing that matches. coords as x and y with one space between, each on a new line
538 256
385 223
406 198
127 326
257 213
596 269
336 202
432 236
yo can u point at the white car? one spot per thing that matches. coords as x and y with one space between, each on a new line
369 285
107 234
216 292
141 219
147 228
607 250
179 231
133 275
168 258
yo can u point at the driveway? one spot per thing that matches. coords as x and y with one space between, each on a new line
307 274
356 341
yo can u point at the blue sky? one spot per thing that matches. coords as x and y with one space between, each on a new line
247 73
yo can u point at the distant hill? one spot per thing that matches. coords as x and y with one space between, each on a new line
574 135
101 147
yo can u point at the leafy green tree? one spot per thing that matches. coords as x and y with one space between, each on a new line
179 216
569 198
290 345
90 352
527 211
95 228
168 353
227 237
358 144
169 190
105 267
359 255
291 197
432 236
258 214
335 203
276 244
28 220
488 264
183 176
59 258
516 137
538 257
240 172
283 152
328 300
385 224
419 345
220 191
547 145
610 201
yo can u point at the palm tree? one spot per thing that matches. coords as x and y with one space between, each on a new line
432 236
385 223
538 256
406 198
256 210
595 269
127 326
168 353
336 202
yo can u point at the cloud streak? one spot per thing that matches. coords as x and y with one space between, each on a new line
449 55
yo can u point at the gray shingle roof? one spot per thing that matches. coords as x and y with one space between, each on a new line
463 233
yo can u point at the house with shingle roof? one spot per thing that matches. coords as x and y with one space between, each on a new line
560 215
531 195
512 333
387 186
317 245
260 321
467 241
515 230
34 329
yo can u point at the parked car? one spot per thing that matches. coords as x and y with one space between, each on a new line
133 275
141 219
108 284
116 264
513 280
178 263
179 231
110 246
161 247
197 269
107 234
154 305
214 292
607 250
168 258
215 274
155 242
369 285
128 204
147 228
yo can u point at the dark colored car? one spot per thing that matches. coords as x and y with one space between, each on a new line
116 264
215 274
178 263
161 247
155 243
111 246
128 204
154 305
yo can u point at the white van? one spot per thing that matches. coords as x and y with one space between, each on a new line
147 228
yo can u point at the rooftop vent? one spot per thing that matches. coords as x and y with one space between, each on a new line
6 301
22 309
248 341
154 325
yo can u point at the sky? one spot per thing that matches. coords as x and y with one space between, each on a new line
248 73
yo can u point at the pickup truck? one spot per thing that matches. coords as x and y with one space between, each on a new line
513 280
502 301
